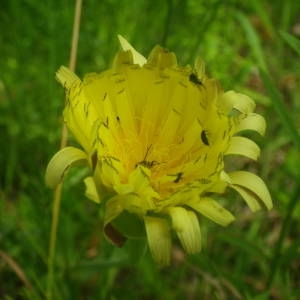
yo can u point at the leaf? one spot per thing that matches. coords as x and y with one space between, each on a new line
279 107
253 40
293 42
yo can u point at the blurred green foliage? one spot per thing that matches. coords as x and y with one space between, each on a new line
255 258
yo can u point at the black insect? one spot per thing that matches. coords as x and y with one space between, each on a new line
146 163
204 137
106 123
94 159
178 177
194 79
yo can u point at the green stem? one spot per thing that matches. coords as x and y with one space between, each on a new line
64 137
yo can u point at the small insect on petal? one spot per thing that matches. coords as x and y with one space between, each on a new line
194 79
204 138
94 159
178 177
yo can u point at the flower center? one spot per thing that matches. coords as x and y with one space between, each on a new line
164 120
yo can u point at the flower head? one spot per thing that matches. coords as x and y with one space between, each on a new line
154 136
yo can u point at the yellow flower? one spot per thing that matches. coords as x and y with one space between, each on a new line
154 136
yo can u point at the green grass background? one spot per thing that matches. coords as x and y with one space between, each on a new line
250 46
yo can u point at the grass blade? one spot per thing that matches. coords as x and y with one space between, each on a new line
253 40
279 107
291 41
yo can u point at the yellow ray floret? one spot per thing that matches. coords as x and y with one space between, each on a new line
154 136
61 162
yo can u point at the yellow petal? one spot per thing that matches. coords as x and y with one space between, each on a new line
78 113
251 121
139 184
251 183
237 101
91 190
249 197
159 239
61 162
129 202
225 177
243 146
114 207
139 181
162 58
121 59
137 57
66 77
212 210
109 173
219 185
186 225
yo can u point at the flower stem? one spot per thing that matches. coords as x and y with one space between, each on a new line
63 143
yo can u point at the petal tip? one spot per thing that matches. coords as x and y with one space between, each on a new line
137 57
61 162
66 77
